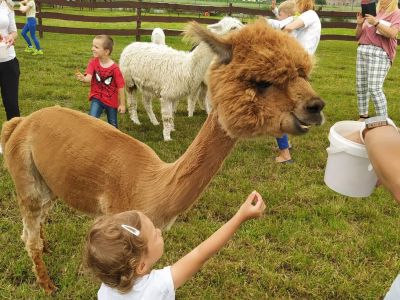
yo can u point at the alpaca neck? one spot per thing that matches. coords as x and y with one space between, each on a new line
192 172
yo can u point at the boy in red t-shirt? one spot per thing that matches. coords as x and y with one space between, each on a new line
106 81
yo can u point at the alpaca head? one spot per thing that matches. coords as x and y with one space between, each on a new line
259 82
225 25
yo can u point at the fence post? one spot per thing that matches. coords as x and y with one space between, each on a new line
138 20
230 9
39 10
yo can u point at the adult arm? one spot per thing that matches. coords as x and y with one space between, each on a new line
187 266
360 22
383 146
387 31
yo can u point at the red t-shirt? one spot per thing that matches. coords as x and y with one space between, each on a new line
105 82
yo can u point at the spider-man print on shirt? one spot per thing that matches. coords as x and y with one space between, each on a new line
105 82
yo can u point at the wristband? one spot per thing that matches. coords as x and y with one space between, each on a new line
363 127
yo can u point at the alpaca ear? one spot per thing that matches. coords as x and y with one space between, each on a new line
214 27
219 46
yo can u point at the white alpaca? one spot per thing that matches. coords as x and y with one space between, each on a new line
224 26
168 74
158 36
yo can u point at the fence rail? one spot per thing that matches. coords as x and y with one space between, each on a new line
136 15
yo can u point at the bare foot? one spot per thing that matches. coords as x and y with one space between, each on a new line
284 155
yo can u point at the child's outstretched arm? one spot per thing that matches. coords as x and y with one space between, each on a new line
188 265
121 100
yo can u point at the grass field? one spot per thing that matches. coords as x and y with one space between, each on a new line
311 244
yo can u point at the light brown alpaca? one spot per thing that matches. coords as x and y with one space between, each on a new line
258 87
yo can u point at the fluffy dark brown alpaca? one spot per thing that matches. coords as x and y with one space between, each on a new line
258 87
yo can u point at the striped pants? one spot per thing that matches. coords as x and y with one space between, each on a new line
373 64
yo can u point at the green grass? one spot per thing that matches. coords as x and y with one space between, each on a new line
311 244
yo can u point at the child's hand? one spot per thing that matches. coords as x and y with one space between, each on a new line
79 76
253 207
121 109
273 4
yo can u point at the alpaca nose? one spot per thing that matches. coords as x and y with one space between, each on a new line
315 106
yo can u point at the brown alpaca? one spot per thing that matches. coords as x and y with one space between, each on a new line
258 87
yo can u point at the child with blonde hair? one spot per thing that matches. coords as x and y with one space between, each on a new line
106 81
29 8
284 13
121 250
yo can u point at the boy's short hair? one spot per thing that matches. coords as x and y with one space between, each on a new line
108 42
288 7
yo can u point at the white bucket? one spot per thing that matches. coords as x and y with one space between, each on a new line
348 169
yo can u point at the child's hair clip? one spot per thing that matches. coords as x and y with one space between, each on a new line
131 229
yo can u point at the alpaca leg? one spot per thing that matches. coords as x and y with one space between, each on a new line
148 106
31 213
191 105
175 106
132 104
33 195
174 109
167 118
45 210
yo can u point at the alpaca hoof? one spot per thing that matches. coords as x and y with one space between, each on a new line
49 287
190 114
167 139
46 249
135 120
155 123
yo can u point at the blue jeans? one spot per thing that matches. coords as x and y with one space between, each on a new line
97 107
283 142
31 27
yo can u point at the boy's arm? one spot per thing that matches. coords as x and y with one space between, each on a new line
121 100
188 265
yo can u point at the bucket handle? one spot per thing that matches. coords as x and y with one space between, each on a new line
333 150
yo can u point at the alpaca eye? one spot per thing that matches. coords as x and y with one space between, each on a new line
261 86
